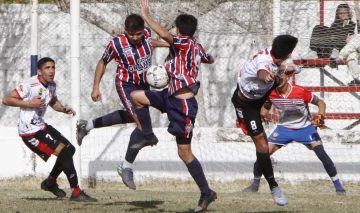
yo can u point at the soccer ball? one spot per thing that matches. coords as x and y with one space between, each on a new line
157 76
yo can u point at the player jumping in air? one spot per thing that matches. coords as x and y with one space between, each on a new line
132 50
33 96
256 79
295 125
178 100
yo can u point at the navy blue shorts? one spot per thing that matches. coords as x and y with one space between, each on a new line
124 90
181 112
282 136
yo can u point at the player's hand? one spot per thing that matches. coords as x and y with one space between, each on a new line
69 110
96 95
37 103
269 77
319 121
144 8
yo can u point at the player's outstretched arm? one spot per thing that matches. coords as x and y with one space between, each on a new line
156 43
322 106
57 106
160 30
99 72
12 99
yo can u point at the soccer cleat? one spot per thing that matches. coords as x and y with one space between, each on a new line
152 141
127 176
82 197
251 188
354 82
340 192
81 131
205 201
53 189
278 196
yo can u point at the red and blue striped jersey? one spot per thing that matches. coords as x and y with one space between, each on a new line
183 62
133 60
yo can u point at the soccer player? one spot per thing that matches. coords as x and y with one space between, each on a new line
178 100
33 96
295 125
132 50
256 79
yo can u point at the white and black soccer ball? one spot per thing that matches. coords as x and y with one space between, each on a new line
157 76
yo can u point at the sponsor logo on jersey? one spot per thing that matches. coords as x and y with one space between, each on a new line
275 134
40 91
128 51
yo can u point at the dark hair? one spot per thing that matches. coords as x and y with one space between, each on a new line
346 6
134 22
43 61
283 45
186 24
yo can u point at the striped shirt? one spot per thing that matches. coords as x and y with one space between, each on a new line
133 60
293 108
183 63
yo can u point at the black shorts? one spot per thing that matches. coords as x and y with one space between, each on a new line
44 142
248 113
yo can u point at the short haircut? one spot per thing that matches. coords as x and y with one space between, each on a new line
186 24
134 22
283 45
43 61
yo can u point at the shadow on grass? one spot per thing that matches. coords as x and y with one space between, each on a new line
275 212
44 199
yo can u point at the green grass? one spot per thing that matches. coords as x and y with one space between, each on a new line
175 196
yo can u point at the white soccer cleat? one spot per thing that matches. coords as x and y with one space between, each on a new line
278 196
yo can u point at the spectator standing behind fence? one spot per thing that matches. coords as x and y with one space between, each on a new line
33 96
326 42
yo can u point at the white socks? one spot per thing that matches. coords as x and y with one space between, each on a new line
89 126
126 164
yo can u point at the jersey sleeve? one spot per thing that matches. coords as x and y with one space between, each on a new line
262 63
109 53
204 56
309 97
23 90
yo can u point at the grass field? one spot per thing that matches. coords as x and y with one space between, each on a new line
22 196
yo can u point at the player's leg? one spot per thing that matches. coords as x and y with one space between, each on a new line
181 125
64 150
83 127
254 126
310 137
41 148
254 187
142 100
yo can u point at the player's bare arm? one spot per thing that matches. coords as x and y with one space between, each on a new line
160 30
211 61
322 107
265 109
266 76
12 99
156 43
99 72
57 106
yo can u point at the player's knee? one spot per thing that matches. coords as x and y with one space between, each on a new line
71 149
184 149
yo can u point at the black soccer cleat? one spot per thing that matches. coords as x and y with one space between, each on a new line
82 197
205 201
340 192
152 141
53 189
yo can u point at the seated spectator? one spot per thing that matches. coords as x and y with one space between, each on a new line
326 42
351 53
